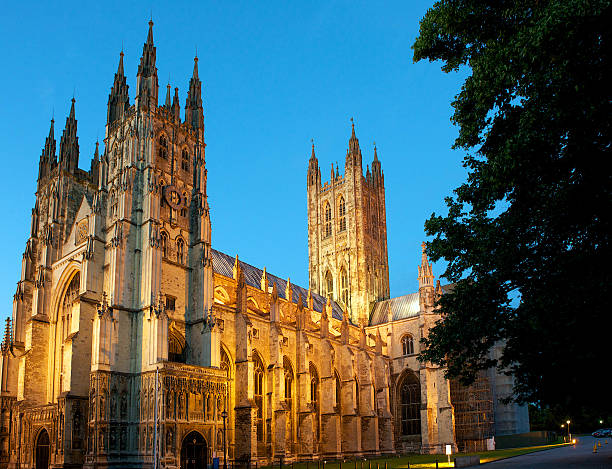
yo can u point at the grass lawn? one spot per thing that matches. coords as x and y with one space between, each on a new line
420 461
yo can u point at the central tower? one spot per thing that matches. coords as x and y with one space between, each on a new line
347 233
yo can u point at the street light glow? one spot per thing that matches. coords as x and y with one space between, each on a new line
568 422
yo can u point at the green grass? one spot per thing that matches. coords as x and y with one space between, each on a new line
421 461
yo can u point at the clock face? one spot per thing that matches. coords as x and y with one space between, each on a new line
173 197
82 232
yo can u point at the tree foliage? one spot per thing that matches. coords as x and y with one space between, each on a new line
527 236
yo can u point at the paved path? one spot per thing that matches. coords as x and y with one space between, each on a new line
575 457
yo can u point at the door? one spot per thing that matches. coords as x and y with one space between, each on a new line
193 451
42 450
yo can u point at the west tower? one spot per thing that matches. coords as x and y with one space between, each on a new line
347 233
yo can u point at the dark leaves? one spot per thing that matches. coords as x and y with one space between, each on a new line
526 236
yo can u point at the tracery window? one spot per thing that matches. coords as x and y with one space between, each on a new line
185 160
258 379
327 220
342 214
164 244
180 251
72 292
344 290
410 405
329 284
163 147
407 345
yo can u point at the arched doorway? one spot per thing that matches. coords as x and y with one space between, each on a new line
193 451
42 450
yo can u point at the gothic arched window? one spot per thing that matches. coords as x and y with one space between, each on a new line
258 379
338 393
329 284
407 345
344 290
342 214
113 205
164 243
185 160
176 347
374 221
314 398
409 391
289 398
180 251
327 220
163 147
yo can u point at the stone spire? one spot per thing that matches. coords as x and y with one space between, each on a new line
47 157
426 282
95 165
176 107
147 86
194 112
167 104
69 144
118 99
353 155
314 174
376 169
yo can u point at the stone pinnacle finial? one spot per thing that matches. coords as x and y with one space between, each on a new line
150 35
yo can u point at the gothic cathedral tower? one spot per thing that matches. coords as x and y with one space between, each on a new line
347 233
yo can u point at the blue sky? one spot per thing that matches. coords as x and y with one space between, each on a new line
275 75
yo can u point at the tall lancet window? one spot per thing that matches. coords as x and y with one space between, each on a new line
409 390
344 290
180 251
329 285
327 220
114 204
342 214
289 400
163 147
185 160
258 378
164 244
315 400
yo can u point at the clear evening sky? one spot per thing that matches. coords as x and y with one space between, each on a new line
275 75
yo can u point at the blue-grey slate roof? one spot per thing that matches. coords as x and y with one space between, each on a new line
400 307
224 264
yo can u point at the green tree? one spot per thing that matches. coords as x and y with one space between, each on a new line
527 236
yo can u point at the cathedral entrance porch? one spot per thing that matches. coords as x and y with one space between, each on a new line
42 450
194 451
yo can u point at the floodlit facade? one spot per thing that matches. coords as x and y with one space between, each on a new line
133 341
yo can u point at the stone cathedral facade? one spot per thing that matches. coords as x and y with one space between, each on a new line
133 341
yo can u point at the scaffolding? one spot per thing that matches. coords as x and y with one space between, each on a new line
474 416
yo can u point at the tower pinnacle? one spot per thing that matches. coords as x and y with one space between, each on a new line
69 143
146 82
194 112
118 99
353 155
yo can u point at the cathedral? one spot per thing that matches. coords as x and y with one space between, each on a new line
133 343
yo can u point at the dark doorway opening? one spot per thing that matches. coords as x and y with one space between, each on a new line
193 451
42 450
